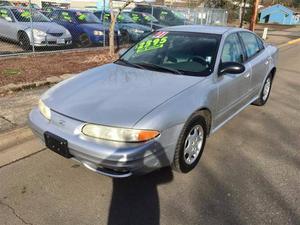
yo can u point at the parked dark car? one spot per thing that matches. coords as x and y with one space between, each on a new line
86 29
164 15
145 19
130 31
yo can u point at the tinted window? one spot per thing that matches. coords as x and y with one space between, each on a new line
86 17
23 15
189 53
251 44
232 50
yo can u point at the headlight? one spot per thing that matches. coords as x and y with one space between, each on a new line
118 134
46 112
68 33
39 33
98 33
119 33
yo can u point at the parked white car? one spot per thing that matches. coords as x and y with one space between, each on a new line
15 25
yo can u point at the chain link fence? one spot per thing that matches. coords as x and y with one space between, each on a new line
54 25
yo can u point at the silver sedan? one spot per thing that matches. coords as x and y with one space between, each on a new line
15 25
156 105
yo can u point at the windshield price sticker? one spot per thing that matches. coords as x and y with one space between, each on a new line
25 14
121 17
66 16
82 17
135 17
151 44
3 13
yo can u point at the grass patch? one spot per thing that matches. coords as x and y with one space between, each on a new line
11 72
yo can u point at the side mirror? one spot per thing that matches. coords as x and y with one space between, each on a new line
122 51
231 68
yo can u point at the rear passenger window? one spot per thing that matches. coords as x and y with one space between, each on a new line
251 43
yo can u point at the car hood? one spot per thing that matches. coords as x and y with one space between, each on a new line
115 95
48 27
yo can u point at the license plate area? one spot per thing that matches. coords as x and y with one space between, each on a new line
57 144
60 41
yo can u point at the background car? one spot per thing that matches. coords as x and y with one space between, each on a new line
6 3
85 27
130 31
15 25
145 19
164 15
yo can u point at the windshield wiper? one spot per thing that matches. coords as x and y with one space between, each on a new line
130 64
159 67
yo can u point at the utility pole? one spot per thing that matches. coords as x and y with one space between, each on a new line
243 7
254 15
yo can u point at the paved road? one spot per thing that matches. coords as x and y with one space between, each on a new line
249 174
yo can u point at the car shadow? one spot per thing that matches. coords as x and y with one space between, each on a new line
135 199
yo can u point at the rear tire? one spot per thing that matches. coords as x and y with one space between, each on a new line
265 92
190 144
24 41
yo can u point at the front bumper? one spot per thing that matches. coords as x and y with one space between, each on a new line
113 159
52 41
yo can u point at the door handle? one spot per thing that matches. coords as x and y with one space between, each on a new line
247 75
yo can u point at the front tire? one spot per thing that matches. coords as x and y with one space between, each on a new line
84 41
24 41
190 144
265 92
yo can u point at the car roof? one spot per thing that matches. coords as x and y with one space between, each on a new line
202 29
73 10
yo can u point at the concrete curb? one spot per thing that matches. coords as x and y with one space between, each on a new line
15 137
292 42
9 88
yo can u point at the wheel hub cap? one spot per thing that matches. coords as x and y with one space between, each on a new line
266 89
193 144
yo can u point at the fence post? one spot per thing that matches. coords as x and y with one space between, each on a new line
104 30
31 27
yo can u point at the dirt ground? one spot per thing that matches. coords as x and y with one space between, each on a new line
38 67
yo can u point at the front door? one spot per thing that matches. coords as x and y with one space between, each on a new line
233 88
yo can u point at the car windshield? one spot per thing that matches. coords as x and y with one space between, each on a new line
86 17
176 52
143 18
149 18
124 18
23 15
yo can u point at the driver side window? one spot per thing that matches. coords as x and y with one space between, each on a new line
232 50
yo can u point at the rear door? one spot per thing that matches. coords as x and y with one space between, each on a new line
258 59
233 88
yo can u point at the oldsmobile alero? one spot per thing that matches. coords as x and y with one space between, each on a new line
156 105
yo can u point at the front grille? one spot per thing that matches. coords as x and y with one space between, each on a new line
56 34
